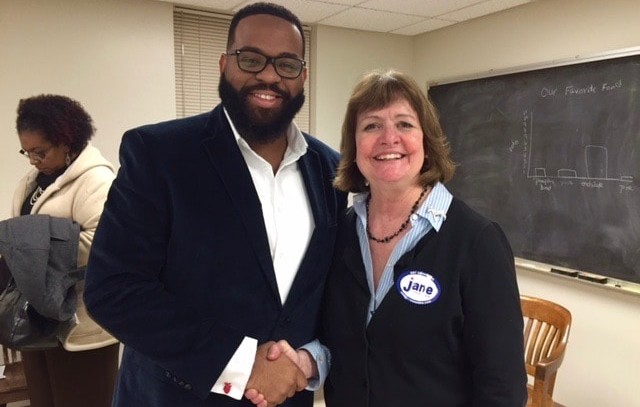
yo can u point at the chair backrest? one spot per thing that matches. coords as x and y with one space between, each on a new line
14 386
9 355
546 333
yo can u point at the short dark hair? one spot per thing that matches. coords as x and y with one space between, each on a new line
264 8
59 119
376 90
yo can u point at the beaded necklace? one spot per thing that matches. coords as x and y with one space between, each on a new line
404 225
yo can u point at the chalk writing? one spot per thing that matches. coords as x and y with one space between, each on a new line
625 188
545 184
546 92
612 86
572 90
581 90
592 184
525 141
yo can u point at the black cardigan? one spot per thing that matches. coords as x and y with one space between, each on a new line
463 349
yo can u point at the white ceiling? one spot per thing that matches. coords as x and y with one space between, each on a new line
405 17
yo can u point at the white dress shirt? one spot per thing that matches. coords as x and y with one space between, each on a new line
289 223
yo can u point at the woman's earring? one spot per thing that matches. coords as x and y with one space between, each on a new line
67 160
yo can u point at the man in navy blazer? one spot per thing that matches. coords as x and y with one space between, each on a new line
217 234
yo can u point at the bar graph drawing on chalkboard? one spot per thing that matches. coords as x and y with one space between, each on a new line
595 160
553 156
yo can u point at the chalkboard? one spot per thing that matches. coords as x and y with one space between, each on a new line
553 155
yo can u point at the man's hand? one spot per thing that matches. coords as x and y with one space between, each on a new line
301 357
273 380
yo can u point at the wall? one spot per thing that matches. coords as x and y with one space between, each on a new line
115 57
602 365
341 57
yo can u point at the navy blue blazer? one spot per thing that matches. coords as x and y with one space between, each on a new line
180 269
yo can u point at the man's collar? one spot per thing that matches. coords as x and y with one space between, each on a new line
296 144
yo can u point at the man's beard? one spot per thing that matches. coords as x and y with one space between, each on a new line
255 124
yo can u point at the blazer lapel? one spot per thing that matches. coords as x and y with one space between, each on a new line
314 183
311 170
225 156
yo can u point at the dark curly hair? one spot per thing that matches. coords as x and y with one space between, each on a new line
60 120
263 8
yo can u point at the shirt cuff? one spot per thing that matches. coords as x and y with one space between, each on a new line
235 375
322 357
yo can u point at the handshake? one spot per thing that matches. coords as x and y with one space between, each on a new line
279 371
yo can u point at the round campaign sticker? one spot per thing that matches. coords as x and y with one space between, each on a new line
418 287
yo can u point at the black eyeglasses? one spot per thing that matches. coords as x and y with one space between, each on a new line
36 155
255 62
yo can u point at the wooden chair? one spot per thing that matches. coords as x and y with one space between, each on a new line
546 333
14 386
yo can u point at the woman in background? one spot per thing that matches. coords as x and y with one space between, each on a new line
421 306
70 179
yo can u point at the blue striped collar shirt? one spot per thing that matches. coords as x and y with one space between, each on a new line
431 215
